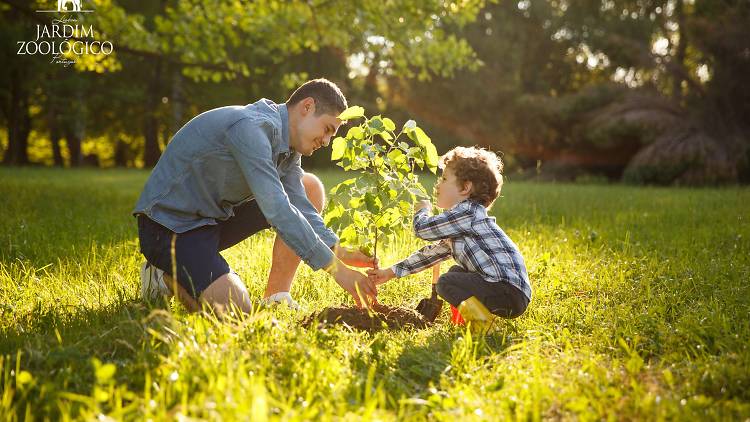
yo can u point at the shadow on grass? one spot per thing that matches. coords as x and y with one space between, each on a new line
57 346
423 361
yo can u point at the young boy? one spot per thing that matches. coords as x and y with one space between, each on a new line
490 276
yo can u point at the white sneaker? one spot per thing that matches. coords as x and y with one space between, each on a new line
282 298
152 283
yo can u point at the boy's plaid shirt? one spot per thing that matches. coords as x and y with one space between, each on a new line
473 239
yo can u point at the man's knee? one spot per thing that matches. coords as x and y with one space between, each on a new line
314 190
226 291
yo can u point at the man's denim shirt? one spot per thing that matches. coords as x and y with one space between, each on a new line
230 155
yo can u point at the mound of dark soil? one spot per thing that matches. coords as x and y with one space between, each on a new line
376 318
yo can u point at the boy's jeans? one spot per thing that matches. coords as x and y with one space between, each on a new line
502 299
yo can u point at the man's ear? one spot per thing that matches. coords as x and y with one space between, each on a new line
467 188
308 105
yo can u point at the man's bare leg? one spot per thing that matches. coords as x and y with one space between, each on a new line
284 261
225 290
187 301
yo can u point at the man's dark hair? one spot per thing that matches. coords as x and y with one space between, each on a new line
328 97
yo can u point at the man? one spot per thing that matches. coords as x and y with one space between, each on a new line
229 173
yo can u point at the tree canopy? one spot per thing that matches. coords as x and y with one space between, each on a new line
569 85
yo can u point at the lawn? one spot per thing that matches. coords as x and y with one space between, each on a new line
640 311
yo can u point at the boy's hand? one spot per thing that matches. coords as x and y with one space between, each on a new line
355 258
420 205
380 276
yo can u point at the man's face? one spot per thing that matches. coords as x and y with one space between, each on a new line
315 131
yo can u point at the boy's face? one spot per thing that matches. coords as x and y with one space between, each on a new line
449 192
313 131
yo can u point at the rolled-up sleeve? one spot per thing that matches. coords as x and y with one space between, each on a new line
249 142
292 182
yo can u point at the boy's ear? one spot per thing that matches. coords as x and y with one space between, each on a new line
467 188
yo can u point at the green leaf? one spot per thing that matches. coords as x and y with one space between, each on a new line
415 152
422 139
352 112
348 235
376 125
333 222
389 125
432 158
334 190
338 148
334 212
409 126
396 156
416 192
387 219
355 132
372 203
359 219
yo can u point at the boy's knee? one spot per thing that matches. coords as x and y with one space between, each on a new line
314 190
443 285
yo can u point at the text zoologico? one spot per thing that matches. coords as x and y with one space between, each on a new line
65 47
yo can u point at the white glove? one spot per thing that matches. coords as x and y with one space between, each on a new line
282 297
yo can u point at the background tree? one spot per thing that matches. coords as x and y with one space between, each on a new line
648 91
620 88
250 44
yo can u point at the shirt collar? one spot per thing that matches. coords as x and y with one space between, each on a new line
474 205
284 128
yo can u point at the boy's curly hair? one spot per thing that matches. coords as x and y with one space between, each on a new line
479 166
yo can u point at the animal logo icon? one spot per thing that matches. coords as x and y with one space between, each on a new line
62 5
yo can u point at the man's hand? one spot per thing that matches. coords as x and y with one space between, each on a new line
355 258
380 276
419 205
360 287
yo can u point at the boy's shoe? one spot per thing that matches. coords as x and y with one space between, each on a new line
282 298
153 286
456 318
476 314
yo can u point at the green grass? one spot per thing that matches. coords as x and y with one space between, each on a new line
640 311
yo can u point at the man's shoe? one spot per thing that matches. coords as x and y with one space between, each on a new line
282 298
153 286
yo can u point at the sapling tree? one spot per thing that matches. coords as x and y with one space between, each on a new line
372 208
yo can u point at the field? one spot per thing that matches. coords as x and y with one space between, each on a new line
640 311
